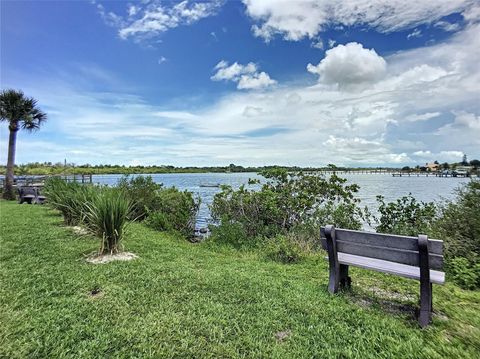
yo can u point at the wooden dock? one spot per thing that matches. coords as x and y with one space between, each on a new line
39 181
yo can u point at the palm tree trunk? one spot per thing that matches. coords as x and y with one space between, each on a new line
9 192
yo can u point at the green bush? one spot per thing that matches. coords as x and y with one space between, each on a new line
231 234
286 202
459 226
142 191
284 249
175 210
106 216
406 216
465 273
456 222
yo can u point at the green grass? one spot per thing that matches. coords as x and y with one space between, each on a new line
197 301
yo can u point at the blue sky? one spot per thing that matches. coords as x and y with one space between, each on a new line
254 82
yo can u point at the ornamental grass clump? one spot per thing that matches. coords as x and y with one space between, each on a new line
106 216
69 198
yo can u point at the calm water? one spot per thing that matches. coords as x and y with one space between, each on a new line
422 188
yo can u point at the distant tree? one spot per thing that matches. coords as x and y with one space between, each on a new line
445 166
464 160
436 162
406 168
475 163
423 169
19 112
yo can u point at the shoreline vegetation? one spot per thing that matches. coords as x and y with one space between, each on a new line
48 168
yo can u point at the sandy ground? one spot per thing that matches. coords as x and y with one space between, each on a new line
106 258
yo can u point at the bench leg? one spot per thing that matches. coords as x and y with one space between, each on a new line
345 280
425 315
334 278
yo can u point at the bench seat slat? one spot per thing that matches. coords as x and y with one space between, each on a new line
401 256
387 240
389 267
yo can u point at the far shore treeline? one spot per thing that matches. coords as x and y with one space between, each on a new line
49 168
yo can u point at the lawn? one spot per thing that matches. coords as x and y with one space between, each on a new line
199 301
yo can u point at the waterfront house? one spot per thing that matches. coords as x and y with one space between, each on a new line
432 167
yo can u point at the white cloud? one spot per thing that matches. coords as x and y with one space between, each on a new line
360 150
349 64
246 76
464 121
162 59
415 33
232 72
331 43
472 14
447 26
132 10
422 117
441 156
255 81
318 44
295 20
149 19
424 154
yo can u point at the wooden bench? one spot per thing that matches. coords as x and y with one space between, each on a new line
417 258
30 195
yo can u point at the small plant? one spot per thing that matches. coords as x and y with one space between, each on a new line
106 216
284 249
406 216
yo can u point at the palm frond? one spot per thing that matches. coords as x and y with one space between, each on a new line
20 111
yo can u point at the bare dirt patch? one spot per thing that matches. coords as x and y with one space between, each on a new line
281 336
95 293
106 258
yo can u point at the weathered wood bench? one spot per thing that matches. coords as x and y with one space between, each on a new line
410 257
30 195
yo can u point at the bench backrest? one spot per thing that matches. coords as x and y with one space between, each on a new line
389 247
24 191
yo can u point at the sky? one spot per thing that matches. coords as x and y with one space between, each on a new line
253 82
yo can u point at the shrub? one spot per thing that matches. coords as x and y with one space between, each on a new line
175 210
284 249
465 273
106 216
287 201
457 223
459 226
231 234
406 216
142 192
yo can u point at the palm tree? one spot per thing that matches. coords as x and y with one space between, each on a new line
21 113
